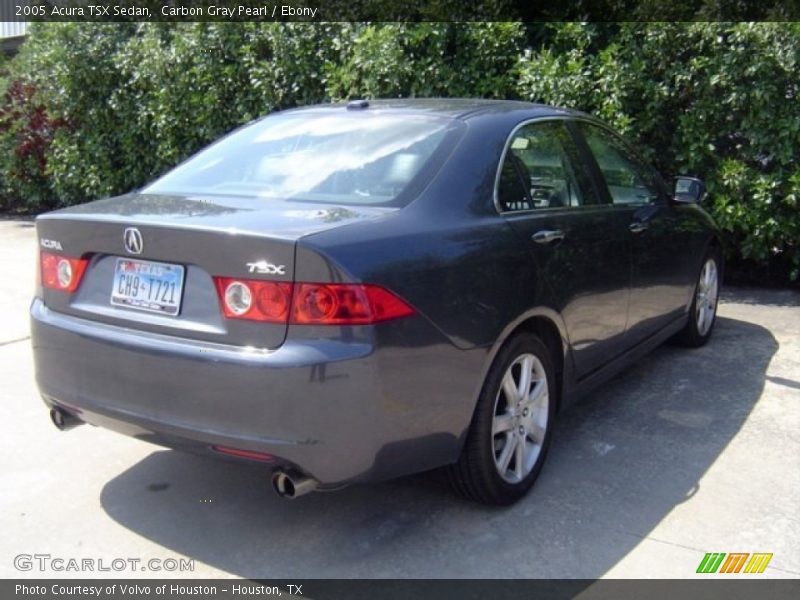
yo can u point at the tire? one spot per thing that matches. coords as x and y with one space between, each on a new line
703 311
499 424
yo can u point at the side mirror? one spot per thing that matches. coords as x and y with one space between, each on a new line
688 190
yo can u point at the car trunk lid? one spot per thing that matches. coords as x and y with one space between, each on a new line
196 239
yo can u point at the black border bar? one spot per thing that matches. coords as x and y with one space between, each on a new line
706 588
397 10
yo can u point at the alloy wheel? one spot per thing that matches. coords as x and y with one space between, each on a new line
706 299
520 418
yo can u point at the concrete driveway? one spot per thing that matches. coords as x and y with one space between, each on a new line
688 452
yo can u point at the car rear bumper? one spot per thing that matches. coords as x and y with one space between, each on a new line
321 406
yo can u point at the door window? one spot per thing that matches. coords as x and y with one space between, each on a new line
629 180
537 171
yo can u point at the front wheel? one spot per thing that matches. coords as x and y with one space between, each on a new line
511 428
703 312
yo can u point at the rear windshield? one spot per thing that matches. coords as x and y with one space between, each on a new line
347 158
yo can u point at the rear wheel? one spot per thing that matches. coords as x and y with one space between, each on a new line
703 312
511 428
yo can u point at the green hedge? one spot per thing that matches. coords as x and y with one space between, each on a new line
717 101
97 109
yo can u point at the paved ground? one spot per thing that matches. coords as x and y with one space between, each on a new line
689 452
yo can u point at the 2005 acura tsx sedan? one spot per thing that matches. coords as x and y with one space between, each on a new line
360 291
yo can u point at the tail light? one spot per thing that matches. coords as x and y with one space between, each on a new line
266 301
61 272
343 304
309 303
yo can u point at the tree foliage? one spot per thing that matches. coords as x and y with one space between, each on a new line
715 100
97 109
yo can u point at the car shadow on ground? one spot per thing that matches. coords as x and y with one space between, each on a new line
620 462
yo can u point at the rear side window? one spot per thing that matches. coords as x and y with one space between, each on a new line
629 180
341 158
539 171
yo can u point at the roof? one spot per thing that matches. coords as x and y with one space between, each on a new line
458 108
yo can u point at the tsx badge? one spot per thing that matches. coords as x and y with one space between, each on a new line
266 268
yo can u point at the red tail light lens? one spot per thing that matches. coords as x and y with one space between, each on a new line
344 304
316 303
61 272
266 301
273 299
308 303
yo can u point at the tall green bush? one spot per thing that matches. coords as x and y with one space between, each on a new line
428 59
716 100
107 107
139 98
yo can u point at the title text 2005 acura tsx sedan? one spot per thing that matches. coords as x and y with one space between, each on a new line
360 291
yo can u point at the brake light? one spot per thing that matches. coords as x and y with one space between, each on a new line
61 272
308 303
345 304
254 300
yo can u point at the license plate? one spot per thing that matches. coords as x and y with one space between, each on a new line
147 285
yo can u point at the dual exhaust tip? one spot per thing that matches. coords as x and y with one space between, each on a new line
287 484
64 420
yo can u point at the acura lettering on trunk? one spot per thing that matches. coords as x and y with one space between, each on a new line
354 292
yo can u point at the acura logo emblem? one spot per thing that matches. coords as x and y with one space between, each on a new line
133 240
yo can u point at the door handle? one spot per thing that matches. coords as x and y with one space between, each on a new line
637 227
545 236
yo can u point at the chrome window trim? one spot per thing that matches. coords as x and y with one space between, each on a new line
637 157
507 145
556 118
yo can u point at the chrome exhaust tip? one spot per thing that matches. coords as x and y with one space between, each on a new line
64 420
292 485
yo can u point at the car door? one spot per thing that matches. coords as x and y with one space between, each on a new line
661 237
579 244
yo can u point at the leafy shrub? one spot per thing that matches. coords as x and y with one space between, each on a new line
100 108
26 134
715 100
3 74
140 98
428 59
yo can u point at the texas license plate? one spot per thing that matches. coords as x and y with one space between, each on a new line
147 285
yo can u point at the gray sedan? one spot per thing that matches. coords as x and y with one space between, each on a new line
360 291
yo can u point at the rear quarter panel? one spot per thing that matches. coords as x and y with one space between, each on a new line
448 253
460 265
